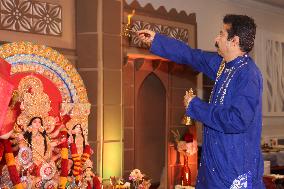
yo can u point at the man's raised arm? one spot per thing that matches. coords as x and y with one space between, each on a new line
179 52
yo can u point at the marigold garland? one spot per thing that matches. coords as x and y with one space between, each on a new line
77 163
64 162
86 154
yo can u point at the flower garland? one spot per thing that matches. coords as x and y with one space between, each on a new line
64 161
77 163
86 154
10 161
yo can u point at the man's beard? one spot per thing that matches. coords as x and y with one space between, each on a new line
218 49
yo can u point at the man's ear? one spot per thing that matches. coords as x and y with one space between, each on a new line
236 40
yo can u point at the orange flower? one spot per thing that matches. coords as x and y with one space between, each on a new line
64 153
10 160
62 182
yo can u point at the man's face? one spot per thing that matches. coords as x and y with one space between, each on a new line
221 42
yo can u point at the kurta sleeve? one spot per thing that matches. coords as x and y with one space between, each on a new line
235 117
179 52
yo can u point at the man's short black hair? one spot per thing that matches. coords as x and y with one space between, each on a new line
243 27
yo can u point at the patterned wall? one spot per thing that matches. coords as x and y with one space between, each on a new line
174 32
273 80
269 50
31 17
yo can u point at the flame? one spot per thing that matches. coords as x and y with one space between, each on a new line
129 16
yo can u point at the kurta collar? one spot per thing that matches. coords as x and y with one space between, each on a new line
236 61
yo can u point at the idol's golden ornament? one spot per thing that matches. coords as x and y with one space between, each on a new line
186 119
34 102
79 113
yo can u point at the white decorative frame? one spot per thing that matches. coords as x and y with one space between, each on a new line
269 55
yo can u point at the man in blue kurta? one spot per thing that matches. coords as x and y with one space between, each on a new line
231 154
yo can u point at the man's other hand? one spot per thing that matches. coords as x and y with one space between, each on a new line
146 36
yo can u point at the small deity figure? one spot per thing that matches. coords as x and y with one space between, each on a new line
78 138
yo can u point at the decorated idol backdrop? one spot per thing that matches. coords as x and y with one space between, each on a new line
44 143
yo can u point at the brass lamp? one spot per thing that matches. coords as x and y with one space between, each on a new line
186 119
127 28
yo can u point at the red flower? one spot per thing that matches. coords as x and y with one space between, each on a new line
188 137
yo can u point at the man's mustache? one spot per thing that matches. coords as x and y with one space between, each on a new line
216 45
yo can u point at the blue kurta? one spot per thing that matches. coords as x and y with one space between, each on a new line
231 154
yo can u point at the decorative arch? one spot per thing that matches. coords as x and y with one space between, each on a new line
146 75
27 57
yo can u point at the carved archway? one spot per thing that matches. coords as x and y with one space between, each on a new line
150 127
